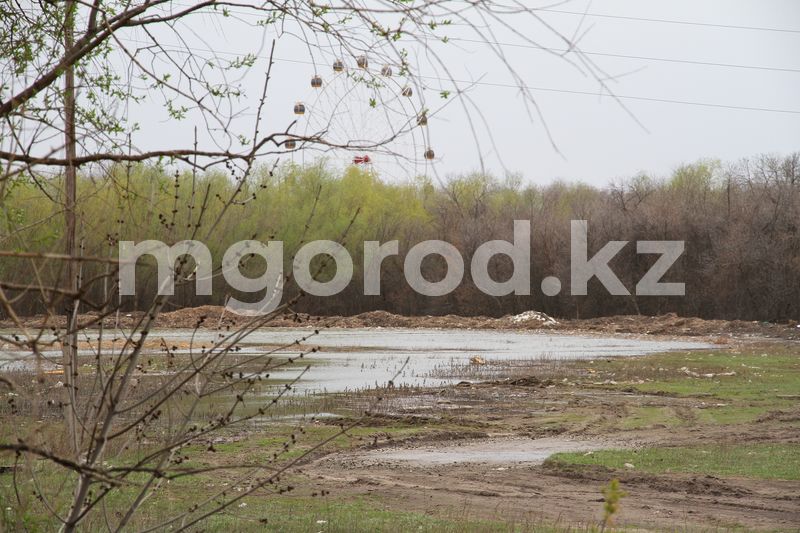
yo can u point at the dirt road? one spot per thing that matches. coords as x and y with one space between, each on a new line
530 493
507 477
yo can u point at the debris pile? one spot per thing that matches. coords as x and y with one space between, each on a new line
529 316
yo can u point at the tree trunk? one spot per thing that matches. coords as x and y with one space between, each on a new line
72 282
70 344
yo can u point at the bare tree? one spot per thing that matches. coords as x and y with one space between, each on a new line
71 74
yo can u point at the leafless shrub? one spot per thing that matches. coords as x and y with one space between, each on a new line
129 425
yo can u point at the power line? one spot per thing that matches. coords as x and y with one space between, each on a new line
622 17
527 87
625 56
668 21
632 97
636 57
590 93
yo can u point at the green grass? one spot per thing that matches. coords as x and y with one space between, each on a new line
179 494
766 379
767 461
317 514
649 416
561 421
261 512
733 414
759 375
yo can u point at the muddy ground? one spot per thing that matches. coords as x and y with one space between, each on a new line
481 449
494 464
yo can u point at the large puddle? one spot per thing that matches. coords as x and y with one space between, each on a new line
351 359
487 451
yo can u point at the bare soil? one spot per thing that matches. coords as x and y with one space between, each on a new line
498 470
530 493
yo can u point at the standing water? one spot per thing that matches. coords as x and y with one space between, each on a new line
350 359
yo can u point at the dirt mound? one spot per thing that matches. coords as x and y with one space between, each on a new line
528 381
384 319
672 324
190 317
374 319
676 482
212 316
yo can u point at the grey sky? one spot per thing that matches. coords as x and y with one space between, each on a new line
597 138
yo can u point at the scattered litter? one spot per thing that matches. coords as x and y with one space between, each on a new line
697 375
475 360
629 465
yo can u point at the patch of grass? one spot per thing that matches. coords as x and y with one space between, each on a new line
179 494
725 386
759 374
316 514
258 447
560 421
649 416
767 461
258 512
731 414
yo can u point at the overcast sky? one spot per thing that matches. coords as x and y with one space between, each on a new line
596 139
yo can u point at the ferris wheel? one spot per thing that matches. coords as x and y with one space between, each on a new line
365 117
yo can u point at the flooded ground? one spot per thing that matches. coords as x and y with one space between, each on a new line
351 359
693 437
503 451
355 359
485 445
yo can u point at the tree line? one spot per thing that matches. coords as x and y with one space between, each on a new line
739 222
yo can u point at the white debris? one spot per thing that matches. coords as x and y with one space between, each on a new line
696 375
629 465
529 316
